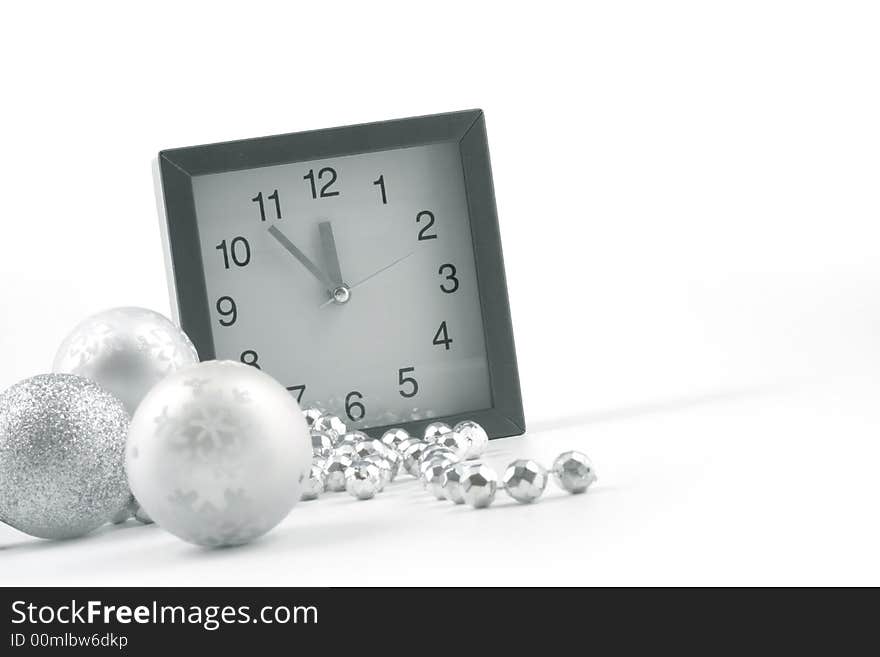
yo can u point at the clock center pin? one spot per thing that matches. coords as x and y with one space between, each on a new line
341 294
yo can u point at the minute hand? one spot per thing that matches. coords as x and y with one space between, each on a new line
299 255
375 273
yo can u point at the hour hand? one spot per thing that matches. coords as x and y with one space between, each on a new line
331 257
303 259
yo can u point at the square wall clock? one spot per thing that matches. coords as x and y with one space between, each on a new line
360 266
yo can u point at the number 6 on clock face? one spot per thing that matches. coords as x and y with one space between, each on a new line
361 267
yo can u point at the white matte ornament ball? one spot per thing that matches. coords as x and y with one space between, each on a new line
127 351
475 436
218 453
62 450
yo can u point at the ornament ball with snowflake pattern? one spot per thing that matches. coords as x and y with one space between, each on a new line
217 453
125 350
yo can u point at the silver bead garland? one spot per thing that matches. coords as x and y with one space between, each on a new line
444 460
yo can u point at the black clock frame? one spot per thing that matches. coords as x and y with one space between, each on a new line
178 166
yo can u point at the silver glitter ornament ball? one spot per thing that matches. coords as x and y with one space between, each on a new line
127 351
475 436
574 472
218 453
478 485
363 480
525 480
62 450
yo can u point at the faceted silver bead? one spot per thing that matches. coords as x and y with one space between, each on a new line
435 449
456 442
322 444
413 456
363 480
313 486
312 413
452 482
370 446
402 447
432 476
346 449
436 429
384 468
574 472
394 437
353 437
525 480
331 424
478 485
334 472
425 465
475 436
395 460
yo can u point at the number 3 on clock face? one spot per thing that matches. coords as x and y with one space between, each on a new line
367 281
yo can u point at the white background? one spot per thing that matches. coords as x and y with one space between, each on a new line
688 196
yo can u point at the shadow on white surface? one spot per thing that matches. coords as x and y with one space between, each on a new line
31 543
661 406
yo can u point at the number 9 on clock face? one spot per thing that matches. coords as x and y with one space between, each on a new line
360 267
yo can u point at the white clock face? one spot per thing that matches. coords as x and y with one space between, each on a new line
351 280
